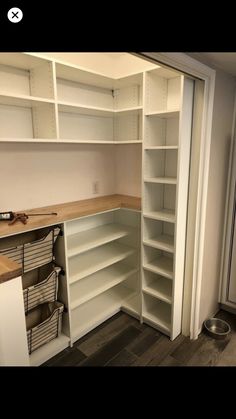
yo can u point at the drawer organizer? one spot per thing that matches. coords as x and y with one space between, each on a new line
43 292
35 254
43 324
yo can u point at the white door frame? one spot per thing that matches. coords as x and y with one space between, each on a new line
192 67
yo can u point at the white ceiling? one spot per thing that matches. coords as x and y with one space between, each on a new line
225 61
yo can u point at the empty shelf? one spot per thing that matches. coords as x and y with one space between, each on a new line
162 147
164 114
133 110
97 259
162 215
48 350
23 100
161 289
163 242
166 180
86 240
99 282
72 107
132 305
159 317
162 265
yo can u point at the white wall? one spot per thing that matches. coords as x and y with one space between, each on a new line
36 175
128 164
221 135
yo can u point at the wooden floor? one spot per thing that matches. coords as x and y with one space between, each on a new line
123 341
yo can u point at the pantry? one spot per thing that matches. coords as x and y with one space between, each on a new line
110 155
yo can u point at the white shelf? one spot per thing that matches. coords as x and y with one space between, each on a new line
161 147
162 215
100 282
162 242
96 312
97 259
29 140
164 180
89 239
159 318
162 265
48 350
132 305
128 142
131 111
71 107
164 114
23 100
159 289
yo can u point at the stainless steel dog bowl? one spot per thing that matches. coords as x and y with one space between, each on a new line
217 328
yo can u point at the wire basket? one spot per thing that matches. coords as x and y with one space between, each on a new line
35 254
43 324
43 292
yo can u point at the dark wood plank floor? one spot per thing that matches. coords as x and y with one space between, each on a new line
123 341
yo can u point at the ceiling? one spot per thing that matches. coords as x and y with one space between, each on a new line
225 61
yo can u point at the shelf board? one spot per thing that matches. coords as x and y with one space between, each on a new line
160 319
90 239
71 107
164 180
97 259
100 282
164 114
128 142
23 100
132 111
162 215
162 242
29 140
132 305
49 350
161 147
162 265
108 304
160 289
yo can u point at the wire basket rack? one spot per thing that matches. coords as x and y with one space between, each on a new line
43 324
35 254
43 292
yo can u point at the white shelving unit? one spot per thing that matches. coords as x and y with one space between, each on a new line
166 150
103 267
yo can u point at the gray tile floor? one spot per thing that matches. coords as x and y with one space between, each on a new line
123 341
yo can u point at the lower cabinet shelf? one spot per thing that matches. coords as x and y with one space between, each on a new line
157 313
48 350
99 309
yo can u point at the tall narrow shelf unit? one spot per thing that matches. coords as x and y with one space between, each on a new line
166 154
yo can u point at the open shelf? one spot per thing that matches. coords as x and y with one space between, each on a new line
161 147
99 282
48 350
163 242
157 312
89 239
23 100
157 286
132 305
99 309
164 114
162 215
165 180
71 107
97 259
158 262
131 111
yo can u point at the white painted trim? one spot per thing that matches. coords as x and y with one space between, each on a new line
188 65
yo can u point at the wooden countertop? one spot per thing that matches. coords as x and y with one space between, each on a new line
8 269
70 211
